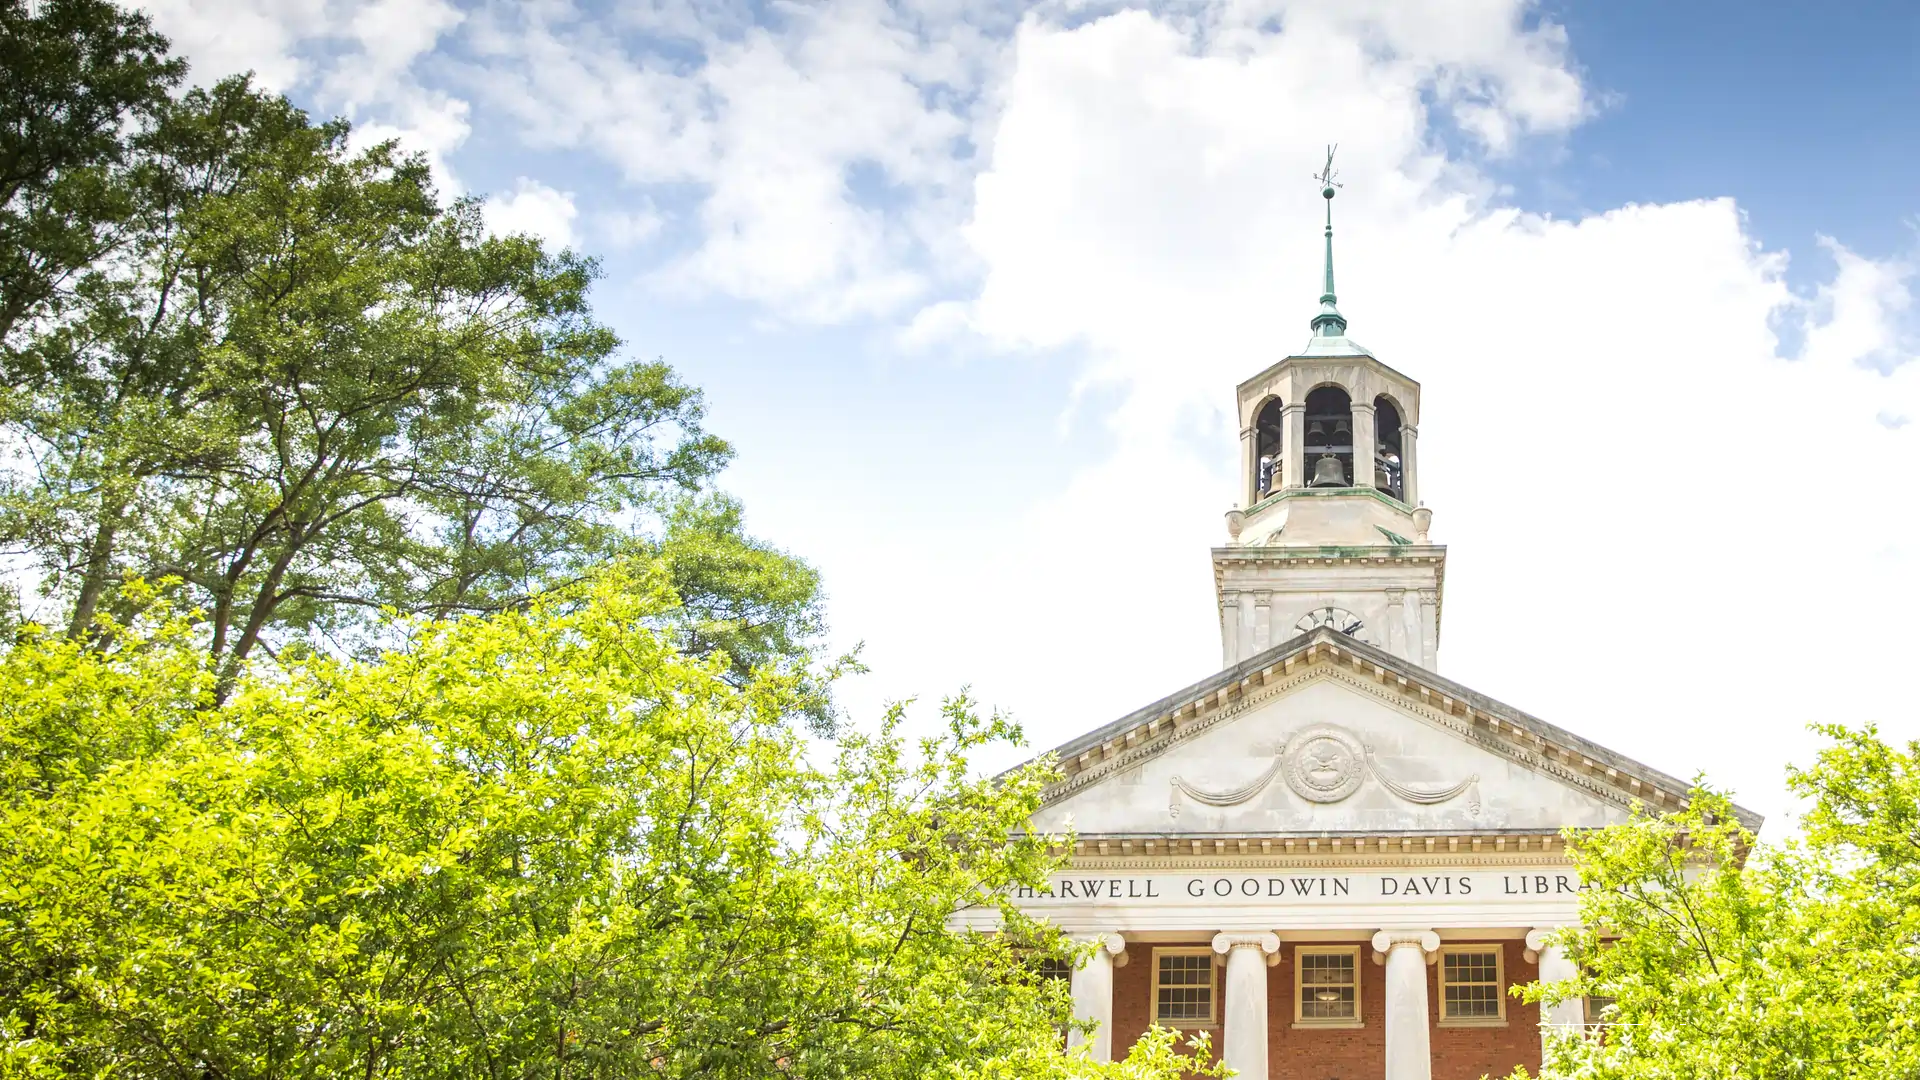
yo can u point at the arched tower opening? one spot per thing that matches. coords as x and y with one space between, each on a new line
1329 441
1389 465
1267 446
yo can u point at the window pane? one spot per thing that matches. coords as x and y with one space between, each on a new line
1185 988
1472 981
1327 986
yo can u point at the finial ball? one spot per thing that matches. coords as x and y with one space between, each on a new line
1326 193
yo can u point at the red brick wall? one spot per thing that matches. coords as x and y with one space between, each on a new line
1469 1053
1317 1053
1133 995
1459 1053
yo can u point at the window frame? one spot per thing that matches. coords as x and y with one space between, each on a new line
1441 983
1213 988
1300 1019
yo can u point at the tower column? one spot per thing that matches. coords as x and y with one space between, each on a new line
1429 629
1565 1017
1364 434
1243 1045
1093 993
1293 428
1409 472
1262 622
1229 629
1396 642
1409 1043
1250 464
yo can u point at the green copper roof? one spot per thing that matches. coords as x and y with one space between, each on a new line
1329 323
1329 326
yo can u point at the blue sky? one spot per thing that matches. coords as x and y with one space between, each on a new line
969 286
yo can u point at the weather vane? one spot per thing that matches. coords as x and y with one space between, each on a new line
1326 177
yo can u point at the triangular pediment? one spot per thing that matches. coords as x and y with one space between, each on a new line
1325 736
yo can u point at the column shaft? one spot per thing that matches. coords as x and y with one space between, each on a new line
1408 471
1429 629
1093 996
1396 641
1409 1043
1293 427
1250 465
1566 1017
1243 1045
1229 630
1363 439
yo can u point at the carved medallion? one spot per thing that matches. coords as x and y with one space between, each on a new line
1324 764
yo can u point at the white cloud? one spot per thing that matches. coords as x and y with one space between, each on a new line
351 57
536 209
829 151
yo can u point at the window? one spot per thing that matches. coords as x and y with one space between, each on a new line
1053 967
1471 990
1594 1010
1183 987
1326 985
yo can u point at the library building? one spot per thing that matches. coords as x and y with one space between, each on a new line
1328 857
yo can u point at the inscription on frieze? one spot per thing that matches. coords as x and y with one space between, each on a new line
1284 888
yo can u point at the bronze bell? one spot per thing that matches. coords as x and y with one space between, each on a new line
1328 473
1342 433
1316 433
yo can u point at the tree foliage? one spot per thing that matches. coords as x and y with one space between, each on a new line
304 387
1727 960
84 81
543 842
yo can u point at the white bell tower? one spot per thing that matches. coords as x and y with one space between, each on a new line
1329 530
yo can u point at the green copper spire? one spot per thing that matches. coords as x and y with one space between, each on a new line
1329 322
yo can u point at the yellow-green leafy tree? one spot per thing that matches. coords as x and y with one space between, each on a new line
1721 958
543 842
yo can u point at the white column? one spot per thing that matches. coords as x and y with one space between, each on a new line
1243 1045
1396 642
1293 428
1229 629
1262 622
1250 464
1409 1047
1430 629
1093 992
1363 440
1567 1017
1408 493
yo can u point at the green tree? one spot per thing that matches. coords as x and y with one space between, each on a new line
1723 959
543 842
84 80
307 389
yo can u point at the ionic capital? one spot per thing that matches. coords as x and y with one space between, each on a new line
1537 942
1426 941
1266 941
1111 941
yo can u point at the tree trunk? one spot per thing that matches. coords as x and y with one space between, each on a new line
99 565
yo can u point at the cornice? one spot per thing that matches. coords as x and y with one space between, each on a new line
1352 852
